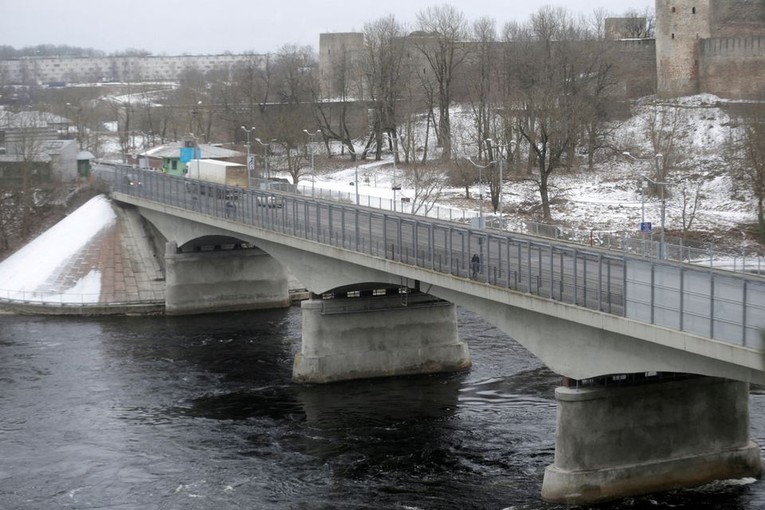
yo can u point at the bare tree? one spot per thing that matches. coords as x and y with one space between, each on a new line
294 84
596 96
596 23
254 79
640 24
28 150
663 132
691 200
383 65
750 166
294 70
427 181
551 80
442 44
461 174
331 114
479 65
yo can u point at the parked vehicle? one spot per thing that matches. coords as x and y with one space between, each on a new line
204 174
132 180
268 200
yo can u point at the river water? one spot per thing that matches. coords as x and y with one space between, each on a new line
199 413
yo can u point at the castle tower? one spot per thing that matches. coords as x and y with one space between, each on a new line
339 58
680 27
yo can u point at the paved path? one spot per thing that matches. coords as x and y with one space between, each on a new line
121 254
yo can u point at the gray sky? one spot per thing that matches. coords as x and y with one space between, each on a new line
175 27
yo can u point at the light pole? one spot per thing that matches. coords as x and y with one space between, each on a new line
662 246
79 109
660 185
197 156
356 183
499 147
480 183
249 158
395 186
266 147
313 171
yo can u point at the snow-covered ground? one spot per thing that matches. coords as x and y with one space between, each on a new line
26 274
609 198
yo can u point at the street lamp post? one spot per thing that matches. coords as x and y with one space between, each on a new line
660 184
249 157
480 183
499 147
662 246
313 171
266 147
356 184
395 186
197 156
79 110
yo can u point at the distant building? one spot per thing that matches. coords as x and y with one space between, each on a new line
171 158
31 142
56 72
45 162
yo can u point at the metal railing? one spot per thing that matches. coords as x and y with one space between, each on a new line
653 291
54 298
701 254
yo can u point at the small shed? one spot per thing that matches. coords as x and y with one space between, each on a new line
83 164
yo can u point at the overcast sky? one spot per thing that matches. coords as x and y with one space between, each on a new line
175 27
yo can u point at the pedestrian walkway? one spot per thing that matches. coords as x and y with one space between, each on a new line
133 274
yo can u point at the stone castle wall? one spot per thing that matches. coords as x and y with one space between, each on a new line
713 46
635 69
733 67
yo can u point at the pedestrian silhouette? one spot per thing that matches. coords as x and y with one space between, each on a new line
475 266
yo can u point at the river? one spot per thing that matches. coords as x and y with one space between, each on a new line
200 413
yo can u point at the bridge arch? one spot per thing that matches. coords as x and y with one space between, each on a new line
213 243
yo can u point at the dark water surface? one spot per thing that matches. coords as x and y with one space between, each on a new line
200 412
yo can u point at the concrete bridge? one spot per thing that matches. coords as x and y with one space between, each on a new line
656 356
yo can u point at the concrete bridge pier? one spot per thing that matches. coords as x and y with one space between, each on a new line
222 281
615 442
359 338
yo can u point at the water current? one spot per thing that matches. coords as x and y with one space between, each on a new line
200 413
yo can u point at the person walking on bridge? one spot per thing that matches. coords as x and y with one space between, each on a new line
475 266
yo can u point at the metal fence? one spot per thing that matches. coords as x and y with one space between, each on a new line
702 254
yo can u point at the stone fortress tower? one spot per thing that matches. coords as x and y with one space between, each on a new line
714 46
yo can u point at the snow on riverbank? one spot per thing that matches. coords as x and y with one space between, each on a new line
24 274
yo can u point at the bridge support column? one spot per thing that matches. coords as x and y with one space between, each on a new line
361 338
222 281
623 441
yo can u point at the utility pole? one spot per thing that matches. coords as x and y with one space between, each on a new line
313 170
250 159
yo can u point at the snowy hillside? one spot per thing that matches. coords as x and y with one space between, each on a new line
609 198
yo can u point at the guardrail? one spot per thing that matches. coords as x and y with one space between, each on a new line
704 254
719 305
73 299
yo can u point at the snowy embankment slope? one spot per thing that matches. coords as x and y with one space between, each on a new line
24 274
